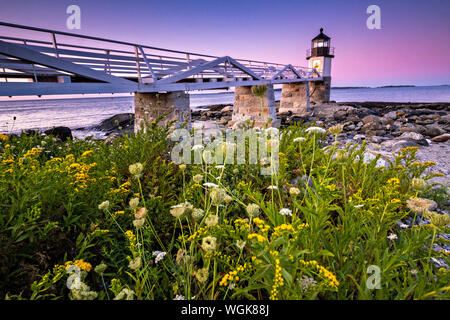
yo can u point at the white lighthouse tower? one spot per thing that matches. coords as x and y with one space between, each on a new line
319 57
320 54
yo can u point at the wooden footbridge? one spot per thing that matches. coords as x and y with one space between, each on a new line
35 61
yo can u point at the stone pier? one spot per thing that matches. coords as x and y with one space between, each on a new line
247 106
294 95
171 105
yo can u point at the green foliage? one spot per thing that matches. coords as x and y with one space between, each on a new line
332 212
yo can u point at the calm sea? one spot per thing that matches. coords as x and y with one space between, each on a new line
83 114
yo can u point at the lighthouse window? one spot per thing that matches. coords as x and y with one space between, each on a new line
320 44
315 44
325 44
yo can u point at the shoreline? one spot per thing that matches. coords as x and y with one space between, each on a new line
222 111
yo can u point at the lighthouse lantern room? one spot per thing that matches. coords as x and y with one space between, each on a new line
320 55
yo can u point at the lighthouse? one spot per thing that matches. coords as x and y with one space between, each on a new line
319 57
299 97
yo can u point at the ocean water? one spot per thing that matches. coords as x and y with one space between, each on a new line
82 114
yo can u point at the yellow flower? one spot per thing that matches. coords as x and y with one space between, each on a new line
258 237
393 181
87 153
278 281
86 266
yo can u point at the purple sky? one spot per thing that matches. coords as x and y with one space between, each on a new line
413 46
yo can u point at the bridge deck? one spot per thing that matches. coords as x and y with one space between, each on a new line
34 62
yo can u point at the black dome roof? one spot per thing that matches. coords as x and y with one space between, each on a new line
322 36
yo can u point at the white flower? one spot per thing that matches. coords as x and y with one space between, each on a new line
220 167
210 185
135 264
198 147
358 206
159 255
240 244
299 139
272 187
286 212
404 226
212 220
315 130
104 205
136 169
306 283
392 237
178 297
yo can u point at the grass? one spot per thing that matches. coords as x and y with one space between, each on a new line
122 221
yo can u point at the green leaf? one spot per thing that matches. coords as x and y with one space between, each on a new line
325 253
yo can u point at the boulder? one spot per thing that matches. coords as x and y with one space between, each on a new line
340 115
385 121
412 128
359 137
445 119
63 133
391 115
433 130
116 122
227 109
441 138
411 135
376 139
404 144
370 119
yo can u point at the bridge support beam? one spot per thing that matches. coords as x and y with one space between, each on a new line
247 106
171 105
294 96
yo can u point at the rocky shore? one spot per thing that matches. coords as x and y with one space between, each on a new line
386 127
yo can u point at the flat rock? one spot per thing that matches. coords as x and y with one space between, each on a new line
441 138
227 109
411 135
404 144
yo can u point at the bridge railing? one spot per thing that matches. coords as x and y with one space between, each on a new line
145 64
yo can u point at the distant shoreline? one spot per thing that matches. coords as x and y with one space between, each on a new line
380 87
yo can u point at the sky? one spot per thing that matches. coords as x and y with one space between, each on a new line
412 46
